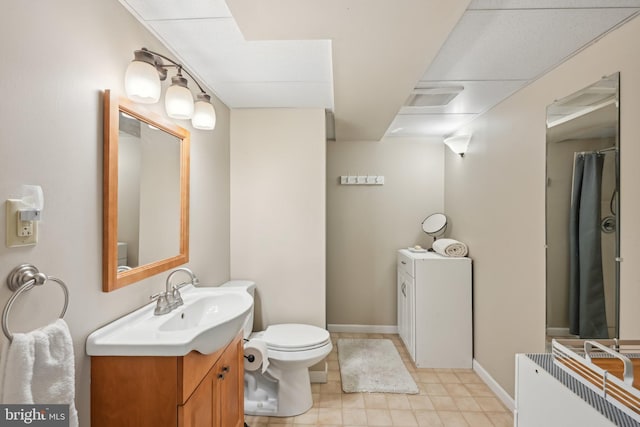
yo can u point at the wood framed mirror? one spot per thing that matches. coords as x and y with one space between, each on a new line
145 193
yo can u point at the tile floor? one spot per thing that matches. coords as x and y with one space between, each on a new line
448 397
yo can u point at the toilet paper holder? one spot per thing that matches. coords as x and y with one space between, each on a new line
251 358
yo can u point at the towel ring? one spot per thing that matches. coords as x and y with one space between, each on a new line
23 278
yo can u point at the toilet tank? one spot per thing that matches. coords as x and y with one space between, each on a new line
250 287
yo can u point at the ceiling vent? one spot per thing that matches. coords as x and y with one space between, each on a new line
433 96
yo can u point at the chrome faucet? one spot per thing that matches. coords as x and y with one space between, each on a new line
163 306
171 298
173 292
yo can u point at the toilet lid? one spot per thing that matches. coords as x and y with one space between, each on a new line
294 337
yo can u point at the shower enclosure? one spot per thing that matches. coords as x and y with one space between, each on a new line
582 221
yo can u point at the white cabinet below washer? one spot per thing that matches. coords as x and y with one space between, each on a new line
434 309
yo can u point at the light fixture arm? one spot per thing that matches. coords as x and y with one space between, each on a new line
160 65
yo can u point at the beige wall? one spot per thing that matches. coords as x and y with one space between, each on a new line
366 225
495 196
56 63
278 211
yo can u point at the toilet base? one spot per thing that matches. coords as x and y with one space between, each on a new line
267 407
295 397
293 390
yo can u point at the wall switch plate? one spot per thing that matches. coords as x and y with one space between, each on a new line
19 232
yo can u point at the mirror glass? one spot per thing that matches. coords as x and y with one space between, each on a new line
435 224
582 202
146 193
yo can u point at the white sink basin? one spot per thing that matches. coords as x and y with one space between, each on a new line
209 319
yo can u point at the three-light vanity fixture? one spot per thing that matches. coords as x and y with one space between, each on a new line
142 84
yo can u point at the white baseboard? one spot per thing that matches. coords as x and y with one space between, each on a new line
494 386
319 376
558 332
364 329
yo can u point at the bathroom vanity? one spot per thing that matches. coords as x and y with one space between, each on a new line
186 391
434 309
184 368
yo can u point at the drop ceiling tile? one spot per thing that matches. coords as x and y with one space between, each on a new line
550 4
476 97
289 60
178 9
276 95
216 48
427 124
518 44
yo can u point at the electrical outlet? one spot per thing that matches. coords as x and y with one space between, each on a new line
19 232
24 228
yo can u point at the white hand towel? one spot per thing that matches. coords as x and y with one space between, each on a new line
40 368
450 247
3 366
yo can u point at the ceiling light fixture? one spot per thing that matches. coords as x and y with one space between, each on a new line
458 143
142 84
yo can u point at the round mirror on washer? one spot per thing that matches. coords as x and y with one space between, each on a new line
435 225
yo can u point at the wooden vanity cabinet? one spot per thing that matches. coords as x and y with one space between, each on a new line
195 390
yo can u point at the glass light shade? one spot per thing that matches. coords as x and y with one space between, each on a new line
142 82
204 115
458 144
178 101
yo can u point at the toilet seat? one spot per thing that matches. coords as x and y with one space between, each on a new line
295 337
294 342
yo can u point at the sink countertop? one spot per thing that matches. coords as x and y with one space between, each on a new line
208 321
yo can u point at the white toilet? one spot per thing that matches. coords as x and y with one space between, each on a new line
284 390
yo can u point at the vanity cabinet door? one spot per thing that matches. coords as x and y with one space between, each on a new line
198 411
230 382
218 401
